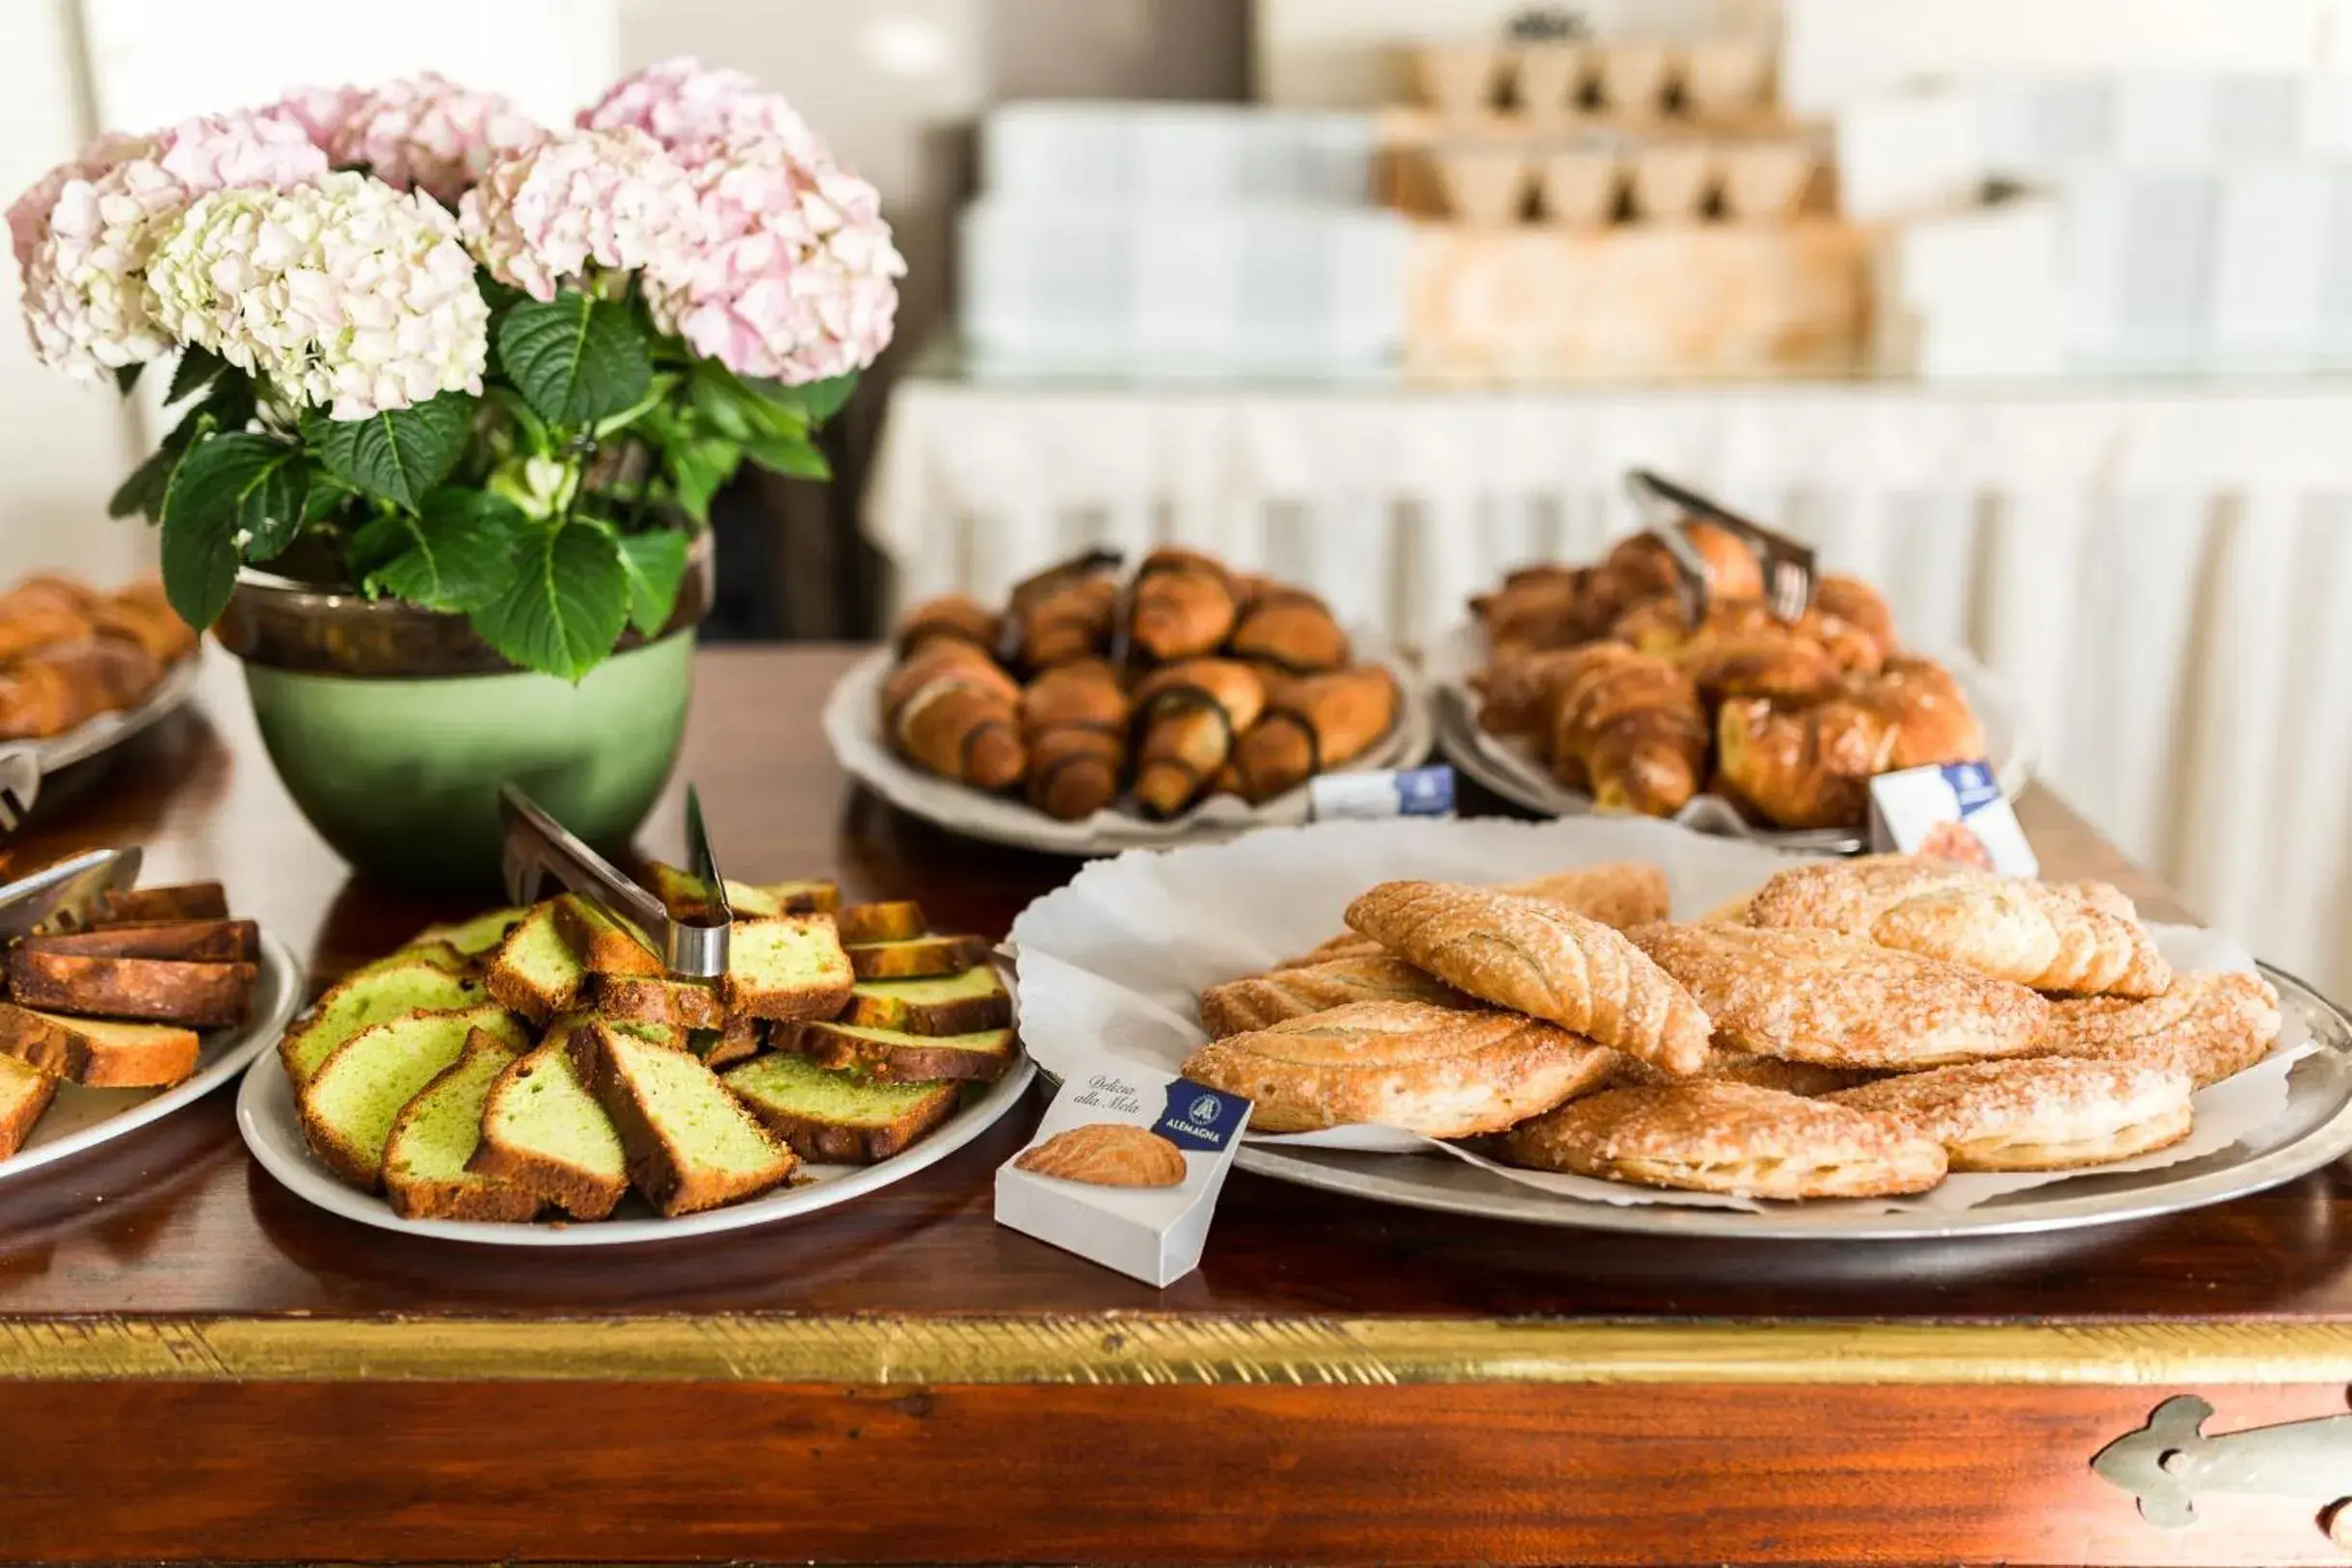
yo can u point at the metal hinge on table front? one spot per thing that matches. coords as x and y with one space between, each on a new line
2167 1463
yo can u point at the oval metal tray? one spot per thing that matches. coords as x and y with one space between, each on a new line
2316 1128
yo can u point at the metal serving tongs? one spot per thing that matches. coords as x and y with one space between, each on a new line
68 897
692 945
20 786
1786 564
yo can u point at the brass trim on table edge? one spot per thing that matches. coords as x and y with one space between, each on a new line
1152 1348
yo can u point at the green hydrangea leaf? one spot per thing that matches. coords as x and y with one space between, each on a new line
791 455
566 606
196 370
398 455
457 553
126 377
698 468
817 400
656 565
143 491
575 360
230 496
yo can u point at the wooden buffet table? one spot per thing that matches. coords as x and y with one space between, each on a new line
201 1366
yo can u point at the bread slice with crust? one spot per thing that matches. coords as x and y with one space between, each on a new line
639 999
535 970
217 942
683 894
351 1103
543 1130
691 1144
425 1159
895 920
895 1056
369 997
836 1118
472 937
788 968
144 906
25 1092
203 993
605 944
738 1039
97 1053
811 895
915 958
953 1004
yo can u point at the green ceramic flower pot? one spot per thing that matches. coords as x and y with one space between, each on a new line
392 727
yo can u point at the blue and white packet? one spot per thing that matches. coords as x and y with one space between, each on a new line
1152 1233
1955 811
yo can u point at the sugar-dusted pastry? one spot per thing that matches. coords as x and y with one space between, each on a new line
1622 893
1312 725
1631 727
2051 1114
1708 1136
1074 723
1264 1000
1730 911
958 616
1807 1078
1290 629
1438 1071
1810 766
1347 944
1107 1154
949 710
1815 996
1540 959
2052 937
1191 714
2210 1025
1181 606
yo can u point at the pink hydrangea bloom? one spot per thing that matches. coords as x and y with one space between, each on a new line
85 300
28 217
430 134
342 294
688 107
322 112
608 199
798 281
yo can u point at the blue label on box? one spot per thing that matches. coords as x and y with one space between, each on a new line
1365 797
1972 784
1425 791
1199 1117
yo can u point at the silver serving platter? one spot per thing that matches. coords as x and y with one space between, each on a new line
2316 1128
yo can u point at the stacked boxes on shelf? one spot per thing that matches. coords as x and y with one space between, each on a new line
1138 237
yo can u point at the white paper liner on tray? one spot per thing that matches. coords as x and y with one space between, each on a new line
1511 769
1115 960
853 729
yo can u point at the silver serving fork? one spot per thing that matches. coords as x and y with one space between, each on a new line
20 786
68 897
1786 564
538 847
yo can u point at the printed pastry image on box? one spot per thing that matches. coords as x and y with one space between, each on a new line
1124 1169
1954 810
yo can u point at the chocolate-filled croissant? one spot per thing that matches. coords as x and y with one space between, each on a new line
1314 725
947 707
1629 726
1073 720
1191 714
1290 629
1183 604
950 615
1071 621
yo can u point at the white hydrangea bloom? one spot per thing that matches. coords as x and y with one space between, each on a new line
613 199
345 294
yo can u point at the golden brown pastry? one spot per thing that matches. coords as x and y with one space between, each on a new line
1519 693
141 614
1264 1000
958 616
1859 606
65 685
1347 944
1543 960
1705 1136
949 710
1814 997
1807 1078
1540 607
1191 714
940 660
1183 604
1070 620
2053 1115
2207 1026
1631 727
1437 1070
1290 630
1107 1154
1312 725
1622 893
1074 723
1811 768
40 611
2050 937
1738 650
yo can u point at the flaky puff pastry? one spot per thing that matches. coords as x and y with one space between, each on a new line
1814 997
2052 937
1540 959
2054 1113
1807 1078
1264 1000
1705 1136
1738 650
1811 765
2210 1025
1622 893
1630 728
1437 1070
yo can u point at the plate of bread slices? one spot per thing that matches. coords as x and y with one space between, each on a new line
533 1076
1664 1031
82 671
1102 710
149 1006
1573 688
